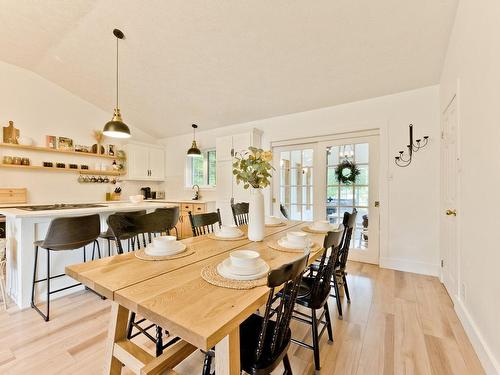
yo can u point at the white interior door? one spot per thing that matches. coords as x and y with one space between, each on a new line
362 195
449 199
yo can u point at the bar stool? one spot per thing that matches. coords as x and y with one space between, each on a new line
64 233
108 235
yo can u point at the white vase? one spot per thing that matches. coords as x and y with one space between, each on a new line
256 217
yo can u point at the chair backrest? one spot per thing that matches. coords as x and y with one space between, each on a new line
126 213
69 233
171 216
204 223
240 213
124 227
349 224
320 289
284 212
289 275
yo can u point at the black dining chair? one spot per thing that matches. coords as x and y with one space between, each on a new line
144 227
284 212
314 293
171 219
108 234
264 340
240 213
204 223
64 233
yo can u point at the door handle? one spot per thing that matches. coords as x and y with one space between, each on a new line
451 212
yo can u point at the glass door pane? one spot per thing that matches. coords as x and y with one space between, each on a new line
342 197
296 183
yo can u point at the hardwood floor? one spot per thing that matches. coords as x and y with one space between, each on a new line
397 323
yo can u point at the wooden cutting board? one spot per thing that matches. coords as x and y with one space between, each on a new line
14 195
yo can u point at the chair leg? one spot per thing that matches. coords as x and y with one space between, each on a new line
109 247
315 338
286 364
328 322
337 296
130 326
34 278
346 288
48 286
207 363
159 341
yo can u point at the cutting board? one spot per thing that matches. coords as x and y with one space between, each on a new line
14 195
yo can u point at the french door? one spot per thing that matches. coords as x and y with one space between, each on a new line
305 185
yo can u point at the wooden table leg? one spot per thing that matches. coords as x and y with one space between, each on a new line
227 354
117 331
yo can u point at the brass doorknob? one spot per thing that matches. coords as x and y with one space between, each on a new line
451 212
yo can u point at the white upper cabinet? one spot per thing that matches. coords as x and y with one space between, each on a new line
145 162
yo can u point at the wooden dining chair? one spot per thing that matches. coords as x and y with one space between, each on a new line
240 213
143 227
313 294
204 223
264 341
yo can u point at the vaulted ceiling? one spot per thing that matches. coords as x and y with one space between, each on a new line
224 62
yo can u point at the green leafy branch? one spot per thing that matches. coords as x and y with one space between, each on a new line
253 168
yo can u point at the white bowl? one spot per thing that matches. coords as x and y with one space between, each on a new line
322 225
273 220
229 231
165 242
244 258
136 198
297 238
153 251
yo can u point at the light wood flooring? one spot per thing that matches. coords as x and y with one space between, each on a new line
397 323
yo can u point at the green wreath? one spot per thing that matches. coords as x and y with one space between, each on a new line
347 172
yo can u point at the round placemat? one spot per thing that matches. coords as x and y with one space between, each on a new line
314 231
274 245
210 275
282 224
141 254
212 236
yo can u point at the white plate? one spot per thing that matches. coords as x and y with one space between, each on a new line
151 251
227 272
235 235
245 271
331 228
283 242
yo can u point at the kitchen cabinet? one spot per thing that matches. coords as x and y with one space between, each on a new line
227 188
145 162
184 225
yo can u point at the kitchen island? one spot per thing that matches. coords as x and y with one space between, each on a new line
23 227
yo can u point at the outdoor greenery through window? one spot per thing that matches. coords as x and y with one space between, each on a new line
203 170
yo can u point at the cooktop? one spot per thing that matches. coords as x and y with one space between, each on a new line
61 206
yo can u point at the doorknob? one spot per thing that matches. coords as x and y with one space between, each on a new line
451 212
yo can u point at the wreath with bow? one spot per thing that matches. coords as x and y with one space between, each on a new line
347 172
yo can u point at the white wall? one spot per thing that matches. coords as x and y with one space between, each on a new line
38 108
473 58
409 196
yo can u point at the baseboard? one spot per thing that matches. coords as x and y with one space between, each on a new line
489 362
410 266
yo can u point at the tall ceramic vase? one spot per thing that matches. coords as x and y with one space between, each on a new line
256 215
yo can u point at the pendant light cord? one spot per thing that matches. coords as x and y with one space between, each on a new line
117 73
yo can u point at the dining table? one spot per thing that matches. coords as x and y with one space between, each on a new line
173 295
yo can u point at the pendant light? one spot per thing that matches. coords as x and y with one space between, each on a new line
116 128
194 151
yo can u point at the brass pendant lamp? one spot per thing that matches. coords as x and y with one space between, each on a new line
194 151
116 128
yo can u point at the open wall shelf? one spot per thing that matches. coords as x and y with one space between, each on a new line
54 169
47 149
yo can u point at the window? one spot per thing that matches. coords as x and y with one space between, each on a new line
202 171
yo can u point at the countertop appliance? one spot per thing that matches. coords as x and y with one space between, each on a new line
61 206
146 192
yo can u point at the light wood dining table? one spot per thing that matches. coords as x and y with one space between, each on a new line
173 295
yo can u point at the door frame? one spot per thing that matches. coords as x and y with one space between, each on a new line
459 293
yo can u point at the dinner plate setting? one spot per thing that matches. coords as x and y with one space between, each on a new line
228 233
243 265
321 227
274 221
162 247
293 242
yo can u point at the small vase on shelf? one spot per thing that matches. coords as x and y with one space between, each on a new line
256 217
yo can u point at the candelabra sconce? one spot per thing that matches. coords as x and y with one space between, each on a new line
404 159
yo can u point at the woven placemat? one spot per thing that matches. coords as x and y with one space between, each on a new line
210 275
282 224
141 254
274 245
212 236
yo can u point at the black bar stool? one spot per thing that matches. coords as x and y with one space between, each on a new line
108 235
64 233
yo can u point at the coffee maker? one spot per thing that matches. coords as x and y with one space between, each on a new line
146 192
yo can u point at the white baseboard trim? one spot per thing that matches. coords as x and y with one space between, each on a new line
410 266
488 360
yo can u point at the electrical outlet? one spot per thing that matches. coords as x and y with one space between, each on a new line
463 293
